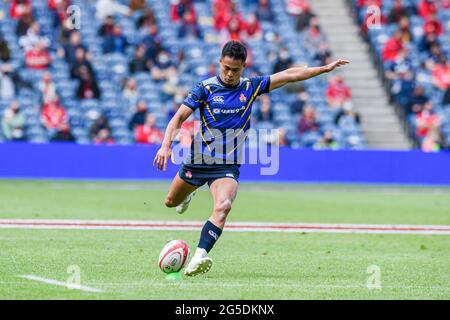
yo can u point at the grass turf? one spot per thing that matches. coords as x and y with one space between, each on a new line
272 266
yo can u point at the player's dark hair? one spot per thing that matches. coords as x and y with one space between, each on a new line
234 50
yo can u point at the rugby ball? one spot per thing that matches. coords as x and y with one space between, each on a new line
173 256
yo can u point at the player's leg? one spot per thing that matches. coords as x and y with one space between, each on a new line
223 192
179 191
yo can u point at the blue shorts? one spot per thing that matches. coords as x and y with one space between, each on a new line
198 175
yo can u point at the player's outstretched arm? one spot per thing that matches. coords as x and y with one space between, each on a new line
282 78
164 153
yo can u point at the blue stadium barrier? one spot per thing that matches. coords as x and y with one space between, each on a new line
71 161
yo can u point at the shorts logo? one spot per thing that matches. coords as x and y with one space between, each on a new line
242 98
218 99
213 234
230 175
188 174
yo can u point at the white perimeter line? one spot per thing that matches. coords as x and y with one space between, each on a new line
59 283
232 226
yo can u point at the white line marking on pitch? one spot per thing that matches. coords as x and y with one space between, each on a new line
231 226
60 283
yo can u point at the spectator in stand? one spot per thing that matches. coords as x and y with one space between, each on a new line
59 8
107 27
433 141
65 31
426 8
301 100
103 136
13 123
403 26
417 101
99 124
284 61
253 27
264 112
347 112
428 41
189 26
5 53
163 68
337 92
304 19
179 7
130 91
7 83
434 57
146 20
308 122
323 55
106 8
139 62
115 42
222 11
148 133
138 118
53 115
433 25
441 74
87 88
313 36
19 8
63 134
69 50
24 24
402 77
327 141
80 62
47 88
38 58
152 42
398 11
263 11
235 27
33 37
426 120
392 47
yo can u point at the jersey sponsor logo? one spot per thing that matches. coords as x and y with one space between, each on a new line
188 174
243 98
216 110
218 99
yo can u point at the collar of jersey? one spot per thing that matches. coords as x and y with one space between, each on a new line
227 85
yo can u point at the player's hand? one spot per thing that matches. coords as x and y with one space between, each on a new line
336 64
162 157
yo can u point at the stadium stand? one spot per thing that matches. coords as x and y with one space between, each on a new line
125 64
410 44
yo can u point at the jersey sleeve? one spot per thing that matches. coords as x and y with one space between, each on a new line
196 97
261 85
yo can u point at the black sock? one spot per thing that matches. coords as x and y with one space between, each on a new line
209 235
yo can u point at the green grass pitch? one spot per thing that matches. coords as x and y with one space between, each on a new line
247 265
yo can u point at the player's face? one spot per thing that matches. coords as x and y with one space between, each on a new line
231 70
